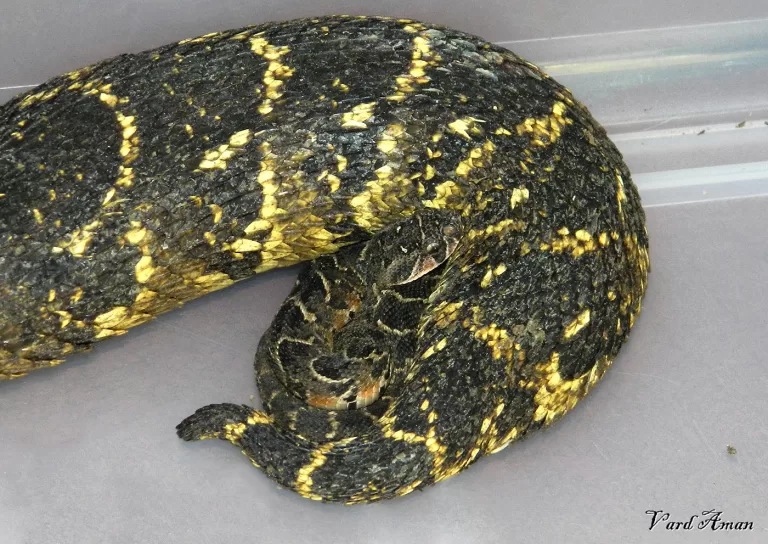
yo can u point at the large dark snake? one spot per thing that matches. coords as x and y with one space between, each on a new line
133 185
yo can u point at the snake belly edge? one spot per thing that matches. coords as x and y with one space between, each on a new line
135 184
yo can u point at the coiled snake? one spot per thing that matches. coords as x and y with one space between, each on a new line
133 185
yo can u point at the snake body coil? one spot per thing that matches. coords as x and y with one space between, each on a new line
141 182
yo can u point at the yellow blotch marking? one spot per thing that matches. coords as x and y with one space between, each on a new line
400 435
129 148
64 317
486 281
276 73
76 295
390 138
447 313
503 226
108 196
381 198
233 431
499 340
414 28
241 36
257 226
621 195
505 441
243 245
424 405
213 282
554 395
408 488
118 319
110 100
343 86
144 269
577 244
448 194
135 235
201 39
581 321
51 295
546 130
583 236
218 157
17 135
303 483
42 96
519 195
434 348
259 418
333 182
466 126
422 58
38 216
79 240
287 202
216 211
356 118
341 163
478 157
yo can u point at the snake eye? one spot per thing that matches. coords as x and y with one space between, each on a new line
433 248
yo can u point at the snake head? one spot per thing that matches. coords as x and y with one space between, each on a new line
414 246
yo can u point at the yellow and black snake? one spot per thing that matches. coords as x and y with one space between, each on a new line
146 180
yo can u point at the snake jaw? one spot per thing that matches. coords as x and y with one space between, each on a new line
369 394
327 402
422 266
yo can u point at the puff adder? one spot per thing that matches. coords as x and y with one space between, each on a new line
146 180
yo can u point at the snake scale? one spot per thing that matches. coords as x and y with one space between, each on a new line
135 184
